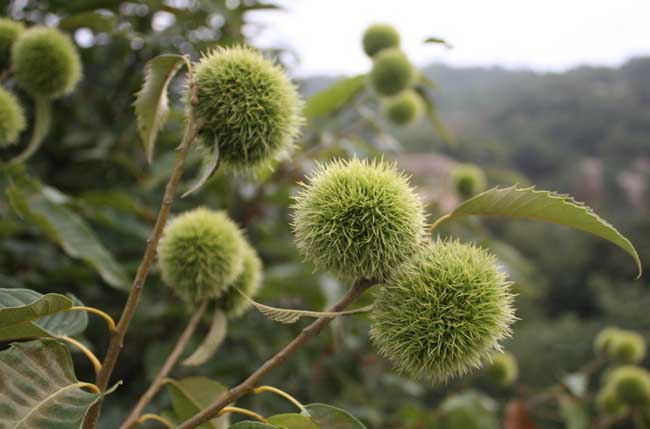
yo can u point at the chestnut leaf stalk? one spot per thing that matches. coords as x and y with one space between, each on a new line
244 105
376 229
192 129
278 359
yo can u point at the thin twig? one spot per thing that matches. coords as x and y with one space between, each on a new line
117 339
249 384
167 367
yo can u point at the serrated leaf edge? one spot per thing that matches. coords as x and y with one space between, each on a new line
565 198
162 105
289 316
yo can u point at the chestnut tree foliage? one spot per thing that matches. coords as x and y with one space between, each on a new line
180 221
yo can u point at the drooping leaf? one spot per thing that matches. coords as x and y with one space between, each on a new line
207 170
330 417
249 424
334 98
39 389
193 394
212 341
574 413
25 313
152 103
546 206
438 40
293 421
35 204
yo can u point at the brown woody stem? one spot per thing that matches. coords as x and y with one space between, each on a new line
167 367
117 338
249 384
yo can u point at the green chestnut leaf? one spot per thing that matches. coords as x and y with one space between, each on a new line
152 103
39 388
25 313
546 206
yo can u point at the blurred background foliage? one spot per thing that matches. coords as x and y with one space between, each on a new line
585 132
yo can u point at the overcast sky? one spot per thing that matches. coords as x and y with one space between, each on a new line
542 35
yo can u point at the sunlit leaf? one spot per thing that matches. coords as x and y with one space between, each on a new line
334 98
212 341
546 206
30 200
193 394
25 313
152 103
330 417
39 389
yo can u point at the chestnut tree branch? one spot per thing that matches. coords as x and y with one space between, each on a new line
167 367
192 129
249 384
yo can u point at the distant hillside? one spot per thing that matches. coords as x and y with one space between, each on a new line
589 123
546 118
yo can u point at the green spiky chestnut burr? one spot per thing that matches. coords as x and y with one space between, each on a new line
391 72
404 108
468 180
608 402
627 348
378 37
46 62
503 371
631 384
442 312
605 339
10 30
358 218
233 303
12 118
248 107
201 254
